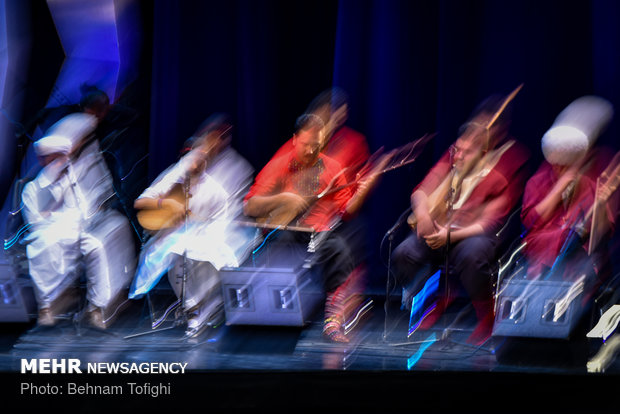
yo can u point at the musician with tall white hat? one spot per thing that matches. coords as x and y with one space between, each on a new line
559 199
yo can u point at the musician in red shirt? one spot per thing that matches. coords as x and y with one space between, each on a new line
291 178
555 199
305 188
457 210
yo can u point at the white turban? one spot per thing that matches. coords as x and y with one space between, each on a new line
563 145
74 127
52 144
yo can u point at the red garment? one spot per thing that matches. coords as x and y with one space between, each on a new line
546 238
347 146
284 174
494 197
350 149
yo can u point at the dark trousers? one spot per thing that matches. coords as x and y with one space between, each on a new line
332 256
470 262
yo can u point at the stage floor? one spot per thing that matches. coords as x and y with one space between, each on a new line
379 362
379 341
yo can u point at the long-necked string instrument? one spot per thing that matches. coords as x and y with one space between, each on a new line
501 109
397 158
610 178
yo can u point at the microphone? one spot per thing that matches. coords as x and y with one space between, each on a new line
398 223
452 152
186 185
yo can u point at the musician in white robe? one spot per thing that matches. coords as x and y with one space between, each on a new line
194 239
74 232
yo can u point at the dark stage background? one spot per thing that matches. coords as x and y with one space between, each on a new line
410 68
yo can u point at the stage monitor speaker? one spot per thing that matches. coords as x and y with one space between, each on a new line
538 309
284 290
17 301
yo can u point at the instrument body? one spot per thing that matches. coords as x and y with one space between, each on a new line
162 218
438 202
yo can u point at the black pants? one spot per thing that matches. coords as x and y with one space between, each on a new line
332 255
470 262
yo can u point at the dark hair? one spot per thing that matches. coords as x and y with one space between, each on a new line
94 98
217 121
308 121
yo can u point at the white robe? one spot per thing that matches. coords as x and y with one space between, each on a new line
210 234
73 230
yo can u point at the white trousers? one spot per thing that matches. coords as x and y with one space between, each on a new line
104 252
202 285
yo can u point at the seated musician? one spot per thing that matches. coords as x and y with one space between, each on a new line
73 225
350 149
189 210
457 210
561 198
287 188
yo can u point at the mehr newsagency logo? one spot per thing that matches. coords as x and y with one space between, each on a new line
75 366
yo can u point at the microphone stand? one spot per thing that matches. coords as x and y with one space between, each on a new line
180 314
187 194
390 236
449 211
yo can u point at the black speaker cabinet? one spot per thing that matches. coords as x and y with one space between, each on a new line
280 288
538 309
17 301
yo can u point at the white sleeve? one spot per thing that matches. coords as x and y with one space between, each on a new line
163 183
31 208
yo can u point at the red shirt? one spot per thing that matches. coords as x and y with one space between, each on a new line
347 146
546 238
284 174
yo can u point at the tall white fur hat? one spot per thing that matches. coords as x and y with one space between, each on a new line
576 129
590 114
563 145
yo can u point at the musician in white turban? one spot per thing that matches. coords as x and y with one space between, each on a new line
73 231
